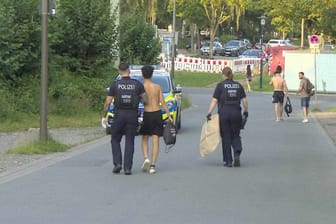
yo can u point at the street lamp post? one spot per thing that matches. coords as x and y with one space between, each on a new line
262 24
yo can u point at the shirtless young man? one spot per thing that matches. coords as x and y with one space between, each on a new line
280 89
153 125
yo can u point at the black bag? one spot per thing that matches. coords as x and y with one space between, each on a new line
243 123
288 106
169 135
310 88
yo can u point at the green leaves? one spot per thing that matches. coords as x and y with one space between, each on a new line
85 32
138 44
19 33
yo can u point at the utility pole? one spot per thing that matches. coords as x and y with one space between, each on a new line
262 24
44 73
172 71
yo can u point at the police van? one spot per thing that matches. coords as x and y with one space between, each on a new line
171 93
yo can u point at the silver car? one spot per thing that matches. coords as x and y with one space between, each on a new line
217 49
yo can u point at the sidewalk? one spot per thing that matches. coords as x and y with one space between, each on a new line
328 122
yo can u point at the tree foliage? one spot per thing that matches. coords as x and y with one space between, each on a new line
149 8
19 40
285 14
217 12
138 44
83 36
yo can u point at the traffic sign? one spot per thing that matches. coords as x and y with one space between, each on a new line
314 39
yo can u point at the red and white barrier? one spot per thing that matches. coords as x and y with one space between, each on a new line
210 65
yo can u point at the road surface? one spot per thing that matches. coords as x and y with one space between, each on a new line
287 175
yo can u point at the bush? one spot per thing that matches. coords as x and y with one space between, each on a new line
19 100
6 102
70 94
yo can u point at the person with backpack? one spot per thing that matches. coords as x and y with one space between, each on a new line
126 94
152 120
305 96
228 95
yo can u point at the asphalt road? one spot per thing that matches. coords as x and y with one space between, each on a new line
287 176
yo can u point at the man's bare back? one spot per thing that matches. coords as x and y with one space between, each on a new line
278 83
154 95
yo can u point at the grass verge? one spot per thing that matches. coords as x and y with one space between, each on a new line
20 122
205 79
196 79
332 110
39 147
185 102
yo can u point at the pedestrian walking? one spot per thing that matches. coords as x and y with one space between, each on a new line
305 97
228 95
280 90
126 94
248 77
153 124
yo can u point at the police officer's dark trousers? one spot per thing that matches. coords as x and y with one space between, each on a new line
230 123
124 124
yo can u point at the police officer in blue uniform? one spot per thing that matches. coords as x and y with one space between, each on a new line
228 95
126 94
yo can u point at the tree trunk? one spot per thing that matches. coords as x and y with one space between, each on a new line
192 32
212 37
302 32
198 40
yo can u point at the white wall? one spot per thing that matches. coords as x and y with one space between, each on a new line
296 62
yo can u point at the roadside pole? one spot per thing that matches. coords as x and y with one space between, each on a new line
315 76
44 72
172 71
262 24
314 44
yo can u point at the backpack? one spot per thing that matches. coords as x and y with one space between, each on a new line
310 88
169 135
288 107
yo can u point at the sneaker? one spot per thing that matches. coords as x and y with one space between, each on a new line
305 121
127 172
227 164
152 169
236 162
145 165
116 168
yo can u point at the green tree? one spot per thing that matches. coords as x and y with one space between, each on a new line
19 40
84 36
149 8
138 44
217 12
192 13
328 25
285 13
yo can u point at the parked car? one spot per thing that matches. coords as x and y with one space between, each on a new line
171 94
247 43
329 47
234 48
276 43
217 48
253 53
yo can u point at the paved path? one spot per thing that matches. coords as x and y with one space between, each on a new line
287 176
